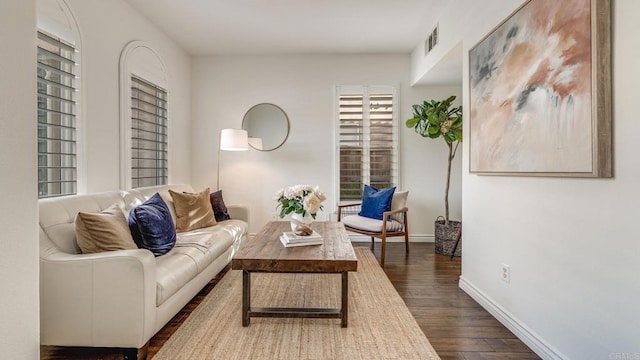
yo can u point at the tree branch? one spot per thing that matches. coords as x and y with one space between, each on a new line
455 149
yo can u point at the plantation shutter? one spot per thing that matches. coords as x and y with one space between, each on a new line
149 143
367 142
382 148
57 148
352 146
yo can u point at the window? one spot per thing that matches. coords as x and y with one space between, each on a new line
367 140
57 122
144 117
149 163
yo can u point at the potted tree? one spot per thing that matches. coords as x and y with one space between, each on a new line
434 119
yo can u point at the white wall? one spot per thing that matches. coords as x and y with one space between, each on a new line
106 28
225 87
572 244
455 21
20 325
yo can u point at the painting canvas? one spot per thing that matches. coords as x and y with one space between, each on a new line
539 98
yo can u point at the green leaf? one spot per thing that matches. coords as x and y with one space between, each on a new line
417 110
412 122
458 134
449 100
433 119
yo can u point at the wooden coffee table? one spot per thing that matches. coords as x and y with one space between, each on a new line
265 253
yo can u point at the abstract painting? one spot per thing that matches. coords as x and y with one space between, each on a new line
540 92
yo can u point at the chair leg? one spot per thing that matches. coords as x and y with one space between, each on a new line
382 251
372 243
406 242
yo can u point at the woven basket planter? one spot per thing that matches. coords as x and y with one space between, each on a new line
446 236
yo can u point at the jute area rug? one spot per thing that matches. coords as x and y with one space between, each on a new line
380 325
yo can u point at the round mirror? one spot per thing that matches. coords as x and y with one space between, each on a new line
267 126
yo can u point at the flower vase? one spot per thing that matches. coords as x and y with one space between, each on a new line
301 225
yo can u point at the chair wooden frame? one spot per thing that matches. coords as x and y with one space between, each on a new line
384 234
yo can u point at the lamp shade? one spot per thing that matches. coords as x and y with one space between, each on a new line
234 140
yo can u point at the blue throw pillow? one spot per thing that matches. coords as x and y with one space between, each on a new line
152 227
376 202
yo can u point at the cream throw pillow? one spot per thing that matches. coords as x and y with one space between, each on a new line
104 231
193 211
398 202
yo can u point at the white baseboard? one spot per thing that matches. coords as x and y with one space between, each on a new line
526 335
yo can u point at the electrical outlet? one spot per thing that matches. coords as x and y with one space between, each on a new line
506 273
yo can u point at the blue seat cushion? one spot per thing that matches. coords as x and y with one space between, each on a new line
375 202
152 227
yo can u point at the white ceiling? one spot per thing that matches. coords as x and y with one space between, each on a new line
293 26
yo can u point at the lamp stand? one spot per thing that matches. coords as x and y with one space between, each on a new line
218 171
231 140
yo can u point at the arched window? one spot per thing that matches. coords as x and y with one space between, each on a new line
59 113
144 117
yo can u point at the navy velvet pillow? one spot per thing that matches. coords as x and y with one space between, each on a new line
375 202
152 227
219 208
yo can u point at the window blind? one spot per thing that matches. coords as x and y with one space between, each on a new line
382 147
57 148
352 166
149 145
367 142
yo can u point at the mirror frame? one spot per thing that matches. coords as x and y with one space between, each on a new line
286 117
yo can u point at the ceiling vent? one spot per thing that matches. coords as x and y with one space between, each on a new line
431 41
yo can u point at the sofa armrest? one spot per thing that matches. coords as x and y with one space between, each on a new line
239 212
106 299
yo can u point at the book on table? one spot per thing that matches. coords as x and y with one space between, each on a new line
290 239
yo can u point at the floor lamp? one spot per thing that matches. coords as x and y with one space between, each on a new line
231 140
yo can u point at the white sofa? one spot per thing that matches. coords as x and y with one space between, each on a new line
122 298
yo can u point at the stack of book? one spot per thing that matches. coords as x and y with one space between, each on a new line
289 239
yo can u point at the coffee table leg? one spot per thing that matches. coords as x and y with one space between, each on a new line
345 298
246 297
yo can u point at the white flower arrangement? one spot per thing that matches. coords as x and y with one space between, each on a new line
300 199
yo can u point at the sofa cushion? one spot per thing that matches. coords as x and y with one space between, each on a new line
193 211
152 227
219 208
375 202
173 271
209 243
104 231
201 247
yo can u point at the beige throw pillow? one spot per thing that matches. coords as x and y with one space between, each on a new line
399 202
193 211
104 231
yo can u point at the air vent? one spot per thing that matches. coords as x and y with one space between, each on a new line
431 41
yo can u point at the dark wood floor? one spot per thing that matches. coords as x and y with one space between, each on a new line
457 327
